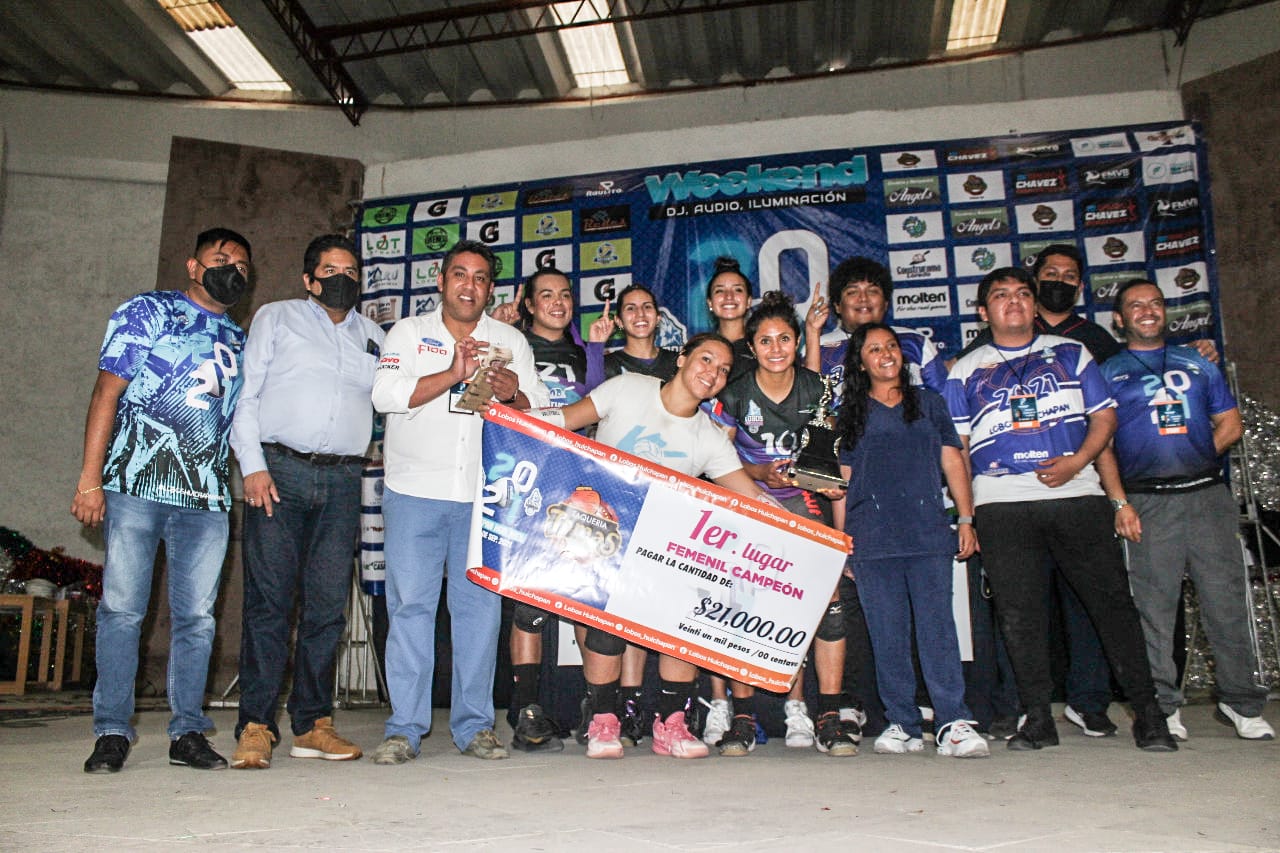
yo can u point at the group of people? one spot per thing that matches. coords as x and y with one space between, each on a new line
1046 451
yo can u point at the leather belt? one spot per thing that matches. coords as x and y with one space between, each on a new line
317 458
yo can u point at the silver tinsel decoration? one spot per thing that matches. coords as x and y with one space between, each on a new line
1258 457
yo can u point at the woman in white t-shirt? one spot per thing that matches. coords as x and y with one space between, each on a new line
660 422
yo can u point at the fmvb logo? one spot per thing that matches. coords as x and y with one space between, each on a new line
757 178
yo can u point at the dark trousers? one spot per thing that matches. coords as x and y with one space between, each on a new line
859 662
305 551
990 691
1088 680
1078 533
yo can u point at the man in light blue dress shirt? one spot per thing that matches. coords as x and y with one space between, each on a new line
300 434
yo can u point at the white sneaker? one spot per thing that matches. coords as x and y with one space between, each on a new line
854 719
960 740
1249 728
1176 728
895 741
719 719
799 724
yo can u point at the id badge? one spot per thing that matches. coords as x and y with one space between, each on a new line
1023 412
1171 415
455 397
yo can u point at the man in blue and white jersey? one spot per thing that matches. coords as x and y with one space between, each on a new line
1034 412
860 290
1176 419
155 467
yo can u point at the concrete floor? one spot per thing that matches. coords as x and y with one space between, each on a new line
1217 793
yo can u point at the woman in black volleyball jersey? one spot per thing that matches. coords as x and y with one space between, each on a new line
638 318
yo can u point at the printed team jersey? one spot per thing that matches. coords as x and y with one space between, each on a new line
986 387
562 367
768 431
1193 387
633 419
921 355
170 437
663 366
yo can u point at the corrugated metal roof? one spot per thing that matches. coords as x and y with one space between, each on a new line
425 53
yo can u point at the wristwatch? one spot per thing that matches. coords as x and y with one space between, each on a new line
1118 504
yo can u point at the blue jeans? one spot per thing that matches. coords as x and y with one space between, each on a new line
895 593
195 547
305 550
423 536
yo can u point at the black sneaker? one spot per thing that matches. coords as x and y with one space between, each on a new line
740 739
1151 730
1036 732
534 732
1092 723
193 750
836 736
109 754
632 724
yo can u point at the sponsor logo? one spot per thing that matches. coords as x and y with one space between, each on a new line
1040 181
504 265
1035 149
961 156
433 346
381 217
434 240
1044 215
906 161
424 304
802 198
911 192
437 208
1129 247
1115 248
1101 213
1186 279
967 297
1027 252
1169 168
547 195
1113 176
491 203
597 290
384 244
532 260
909 265
1192 320
921 302
979 222
914 227
1028 455
492 232
607 253
1105 284
756 178
599 219
974 185
1183 202
969 332
384 216
983 258
604 188
1096 146
1166 138
547 226
426 273
1184 242
383 277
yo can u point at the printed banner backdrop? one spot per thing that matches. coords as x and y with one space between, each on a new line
940 215
1134 200
669 562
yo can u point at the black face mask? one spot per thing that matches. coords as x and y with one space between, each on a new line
224 284
1056 296
338 291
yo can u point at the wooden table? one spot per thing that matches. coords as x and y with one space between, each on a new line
55 618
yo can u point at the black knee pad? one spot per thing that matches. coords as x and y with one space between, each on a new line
831 628
603 643
528 618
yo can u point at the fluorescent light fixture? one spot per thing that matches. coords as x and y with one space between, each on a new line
212 30
595 57
974 23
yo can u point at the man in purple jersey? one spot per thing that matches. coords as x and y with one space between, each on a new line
1176 419
1034 412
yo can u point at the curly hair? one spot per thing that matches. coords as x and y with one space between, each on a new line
775 305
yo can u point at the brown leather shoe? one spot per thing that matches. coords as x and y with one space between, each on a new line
323 742
253 750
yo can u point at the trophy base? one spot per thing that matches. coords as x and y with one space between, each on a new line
813 480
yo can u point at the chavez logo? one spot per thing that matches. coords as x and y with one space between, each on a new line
756 178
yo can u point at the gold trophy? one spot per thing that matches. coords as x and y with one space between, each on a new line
816 464
476 396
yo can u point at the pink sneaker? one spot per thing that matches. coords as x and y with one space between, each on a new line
604 737
674 738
